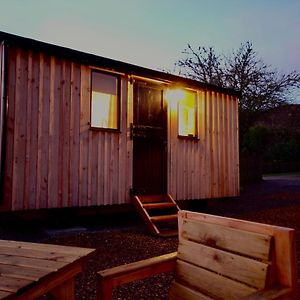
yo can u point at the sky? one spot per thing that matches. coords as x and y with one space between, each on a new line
153 33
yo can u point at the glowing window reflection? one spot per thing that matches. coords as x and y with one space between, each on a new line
187 115
105 104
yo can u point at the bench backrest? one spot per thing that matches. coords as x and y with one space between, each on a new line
224 258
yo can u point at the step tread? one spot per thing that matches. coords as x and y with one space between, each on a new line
165 218
153 198
159 205
168 233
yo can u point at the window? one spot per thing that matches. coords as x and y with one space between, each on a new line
105 101
187 112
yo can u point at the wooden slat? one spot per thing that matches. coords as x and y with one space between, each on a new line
222 146
151 198
235 161
53 157
208 148
237 130
225 154
172 150
74 135
22 272
28 126
38 254
161 219
31 262
168 232
204 172
91 167
20 129
275 292
160 205
43 132
4 294
9 284
158 262
214 284
180 292
286 259
69 250
93 197
106 152
107 279
65 115
1 98
8 175
100 170
33 131
84 135
124 171
249 271
129 141
239 241
214 149
231 143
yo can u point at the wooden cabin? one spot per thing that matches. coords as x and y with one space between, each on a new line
80 130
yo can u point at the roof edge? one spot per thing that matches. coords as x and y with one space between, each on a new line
108 63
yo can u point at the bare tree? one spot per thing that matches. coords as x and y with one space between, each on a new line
202 64
261 86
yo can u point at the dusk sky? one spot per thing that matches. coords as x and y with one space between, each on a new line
153 33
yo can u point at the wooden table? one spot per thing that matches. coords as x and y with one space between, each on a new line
30 270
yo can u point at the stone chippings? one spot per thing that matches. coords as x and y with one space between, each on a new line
119 247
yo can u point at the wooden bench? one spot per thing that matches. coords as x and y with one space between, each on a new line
219 258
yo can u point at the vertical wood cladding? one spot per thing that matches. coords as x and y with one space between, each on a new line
207 167
2 108
53 158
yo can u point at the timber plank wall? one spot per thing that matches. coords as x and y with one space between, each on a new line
208 167
1 105
53 159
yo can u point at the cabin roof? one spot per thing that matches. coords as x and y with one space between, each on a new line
107 63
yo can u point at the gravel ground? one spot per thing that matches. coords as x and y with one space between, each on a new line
275 200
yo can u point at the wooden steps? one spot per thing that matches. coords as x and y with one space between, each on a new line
159 213
161 219
159 205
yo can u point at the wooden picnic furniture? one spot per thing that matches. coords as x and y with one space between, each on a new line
30 270
219 258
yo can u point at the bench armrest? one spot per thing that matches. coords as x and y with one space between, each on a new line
109 278
275 292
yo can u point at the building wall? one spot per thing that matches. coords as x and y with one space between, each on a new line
1 107
1 103
53 159
207 167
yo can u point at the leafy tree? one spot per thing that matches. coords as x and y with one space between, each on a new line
261 87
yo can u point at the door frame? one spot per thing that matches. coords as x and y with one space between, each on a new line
164 109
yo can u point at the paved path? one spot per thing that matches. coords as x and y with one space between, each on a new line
273 191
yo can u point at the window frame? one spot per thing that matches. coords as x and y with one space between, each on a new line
189 136
118 95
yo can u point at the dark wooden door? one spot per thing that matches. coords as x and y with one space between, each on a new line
149 135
